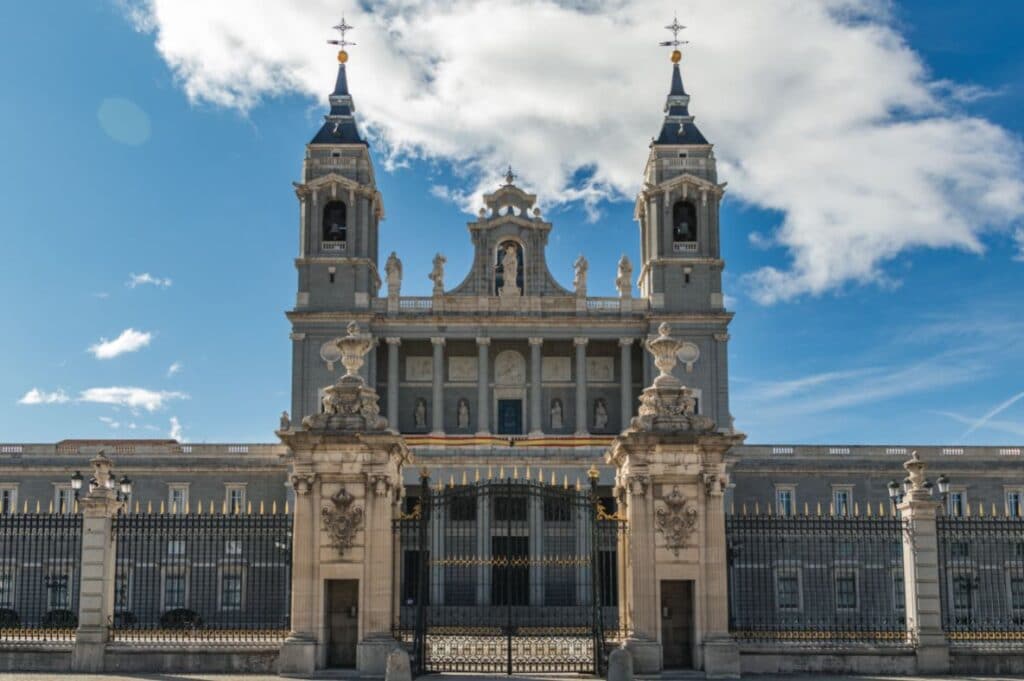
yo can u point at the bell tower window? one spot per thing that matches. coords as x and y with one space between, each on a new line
684 227
335 226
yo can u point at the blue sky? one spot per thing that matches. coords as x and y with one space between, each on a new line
124 154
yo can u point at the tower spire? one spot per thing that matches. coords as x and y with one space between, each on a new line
340 124
678 127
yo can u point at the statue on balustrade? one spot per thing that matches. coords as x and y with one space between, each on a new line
624 279
437 274
579 281
393 269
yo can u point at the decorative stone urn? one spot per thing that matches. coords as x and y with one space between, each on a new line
668 405
350 404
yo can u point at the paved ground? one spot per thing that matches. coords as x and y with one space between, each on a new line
16 676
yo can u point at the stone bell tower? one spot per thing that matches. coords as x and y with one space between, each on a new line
339 209
678 207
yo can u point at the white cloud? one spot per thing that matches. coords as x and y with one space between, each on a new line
177 432
37 396
134 398
836 125
147 279
130 340
110 422
1018 238
175 368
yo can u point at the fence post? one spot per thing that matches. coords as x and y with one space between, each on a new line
921 573
96 590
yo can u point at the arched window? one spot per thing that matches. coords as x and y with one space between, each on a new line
684 221
335 221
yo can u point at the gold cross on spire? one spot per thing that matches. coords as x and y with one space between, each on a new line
675 27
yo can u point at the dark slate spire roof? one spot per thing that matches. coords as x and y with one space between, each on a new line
340 124
678 127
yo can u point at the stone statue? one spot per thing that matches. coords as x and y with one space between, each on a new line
510 271
600 415
463 414
437 274
419 413
286 423
556 415
393 269
579 282
624 278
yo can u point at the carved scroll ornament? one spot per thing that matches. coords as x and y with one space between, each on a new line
342 520
677 520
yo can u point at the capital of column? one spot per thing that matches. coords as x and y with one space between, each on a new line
721 337
536 341
295 336
626 342
302 483
483 341
578 341
437 340
393 341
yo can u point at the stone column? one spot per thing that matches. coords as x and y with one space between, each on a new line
644 609
721 654
298 652
921 573
437 394
582 425
377 641
483 398
626 377
536 425
96 591
393 345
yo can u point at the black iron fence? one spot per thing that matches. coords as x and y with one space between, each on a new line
212 577
816 580
40 571
981 578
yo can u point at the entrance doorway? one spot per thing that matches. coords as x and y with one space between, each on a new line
510 417
677 623
342 622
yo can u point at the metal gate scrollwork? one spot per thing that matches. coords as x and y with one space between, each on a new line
508 575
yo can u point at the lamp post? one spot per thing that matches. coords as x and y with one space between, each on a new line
897 492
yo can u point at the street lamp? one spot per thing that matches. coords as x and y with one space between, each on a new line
76 483
943 482
126 486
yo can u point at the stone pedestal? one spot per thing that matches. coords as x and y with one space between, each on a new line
646 655
721 658
297 657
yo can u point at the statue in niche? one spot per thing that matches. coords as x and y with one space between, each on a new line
579 281
437 274
624 278
509 271
419 413
462 414
600 414
393 269
556 414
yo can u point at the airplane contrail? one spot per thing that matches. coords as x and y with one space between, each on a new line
992 414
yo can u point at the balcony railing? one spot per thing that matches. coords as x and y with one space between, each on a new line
684 246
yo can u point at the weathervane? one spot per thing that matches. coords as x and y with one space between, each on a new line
675 27
509 176
342 43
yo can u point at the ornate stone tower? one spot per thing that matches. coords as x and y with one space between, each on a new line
339 213
681 265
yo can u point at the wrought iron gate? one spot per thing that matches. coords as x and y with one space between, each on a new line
508 575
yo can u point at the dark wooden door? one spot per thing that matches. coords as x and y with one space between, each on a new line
677 623
342 622
510 417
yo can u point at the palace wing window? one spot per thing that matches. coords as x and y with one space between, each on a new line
8 499
174 590
785 500
787 590
58 595
7 588
846 591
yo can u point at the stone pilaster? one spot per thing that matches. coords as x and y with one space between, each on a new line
298 652
921 574
582 422
721 654
626 379
483 398
393 352
96 590
536 426
437 389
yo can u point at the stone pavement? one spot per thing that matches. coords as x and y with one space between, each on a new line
23 676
